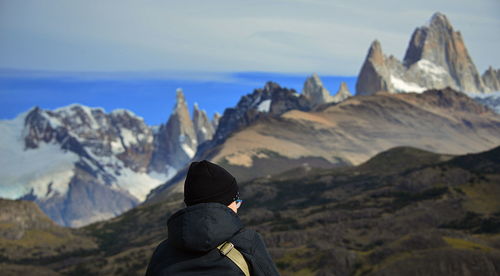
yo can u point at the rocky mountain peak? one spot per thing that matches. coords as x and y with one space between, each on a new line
440 21
375 53
491 78
271 86
443 47
202 125
430 42
374 75
215 120
180 95
175 141
315 92
342 94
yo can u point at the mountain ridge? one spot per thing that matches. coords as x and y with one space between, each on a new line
350 132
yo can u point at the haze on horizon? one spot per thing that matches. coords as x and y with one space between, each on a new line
287 36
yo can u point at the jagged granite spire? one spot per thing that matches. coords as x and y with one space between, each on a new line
202 125
175 142
342 94
215 121
374 75
315 92
444 48
491 79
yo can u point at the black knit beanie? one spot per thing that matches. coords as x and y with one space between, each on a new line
208 182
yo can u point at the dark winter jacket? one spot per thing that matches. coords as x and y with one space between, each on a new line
193 236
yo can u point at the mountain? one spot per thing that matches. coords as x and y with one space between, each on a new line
403 211
436 58
81 165
348 133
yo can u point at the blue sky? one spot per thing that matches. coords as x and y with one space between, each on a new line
149 97
135 54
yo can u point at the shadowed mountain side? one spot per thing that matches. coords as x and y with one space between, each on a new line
443 121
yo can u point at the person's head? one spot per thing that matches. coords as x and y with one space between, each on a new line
208 182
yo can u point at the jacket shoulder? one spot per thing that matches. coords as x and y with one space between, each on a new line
245 240
253 248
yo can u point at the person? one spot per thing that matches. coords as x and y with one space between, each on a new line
204 237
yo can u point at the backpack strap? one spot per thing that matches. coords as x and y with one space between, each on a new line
227 249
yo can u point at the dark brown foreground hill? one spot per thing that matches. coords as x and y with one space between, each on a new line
403 212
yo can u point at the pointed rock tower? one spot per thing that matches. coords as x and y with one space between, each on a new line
374 75
175 142
342 94
202 125
315 92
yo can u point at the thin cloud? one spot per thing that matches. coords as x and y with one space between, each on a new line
329 37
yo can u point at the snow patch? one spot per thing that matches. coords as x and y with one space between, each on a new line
436 72
128 137
264 106
140 184
116 147
54 122
430 67
188 150
402 86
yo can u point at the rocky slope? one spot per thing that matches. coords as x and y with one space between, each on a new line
81 164
405 211
436 57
